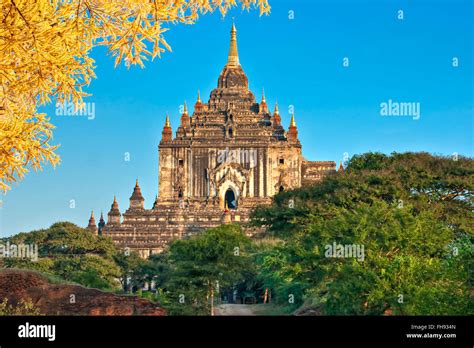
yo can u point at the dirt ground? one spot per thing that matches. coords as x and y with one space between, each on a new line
235 309
67 299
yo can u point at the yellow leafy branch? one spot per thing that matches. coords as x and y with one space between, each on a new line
44 54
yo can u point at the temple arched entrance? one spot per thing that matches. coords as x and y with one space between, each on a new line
230 199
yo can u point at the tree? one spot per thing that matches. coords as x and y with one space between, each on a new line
155 269
130 264
45 53
412 214
439 184
71 253
92 271
202 265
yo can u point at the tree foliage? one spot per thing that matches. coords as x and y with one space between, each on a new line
131 268
45 48
22 308
70 253
203 265
411 212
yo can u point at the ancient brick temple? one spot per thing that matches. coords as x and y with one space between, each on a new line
231 155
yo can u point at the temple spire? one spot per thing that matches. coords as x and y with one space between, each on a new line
263 103
341 168
198 104
114 213
292 122
101 223
167 133
92 226
276 115
155 204
233 58
114 205
136 200
292 131
185 122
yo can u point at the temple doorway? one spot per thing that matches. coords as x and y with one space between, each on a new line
229 198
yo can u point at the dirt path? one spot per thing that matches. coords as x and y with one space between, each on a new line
235 309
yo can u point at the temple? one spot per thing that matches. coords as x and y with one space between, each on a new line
229 156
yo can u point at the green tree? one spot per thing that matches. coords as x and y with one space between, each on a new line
411 212
90 270
155 269
71 253
130 264
203 265
68 239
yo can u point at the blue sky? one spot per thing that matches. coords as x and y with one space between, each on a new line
298 61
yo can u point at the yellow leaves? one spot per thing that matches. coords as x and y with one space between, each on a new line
23 143
44 54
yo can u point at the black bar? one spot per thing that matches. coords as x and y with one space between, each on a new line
289 331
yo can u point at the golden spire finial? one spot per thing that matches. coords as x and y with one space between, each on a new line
233 58
292 122
114 204
185 108
167 122
92 214
263 95
277 111
199 96
136 183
